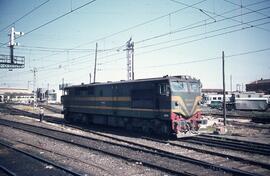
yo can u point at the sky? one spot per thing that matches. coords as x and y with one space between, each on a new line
171 37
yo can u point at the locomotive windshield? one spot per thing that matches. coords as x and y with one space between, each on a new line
194 87
181 86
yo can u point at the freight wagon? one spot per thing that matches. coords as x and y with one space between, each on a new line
166 105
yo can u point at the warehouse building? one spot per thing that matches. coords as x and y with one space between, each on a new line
16 95
259 86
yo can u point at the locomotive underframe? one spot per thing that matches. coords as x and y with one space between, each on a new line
144 125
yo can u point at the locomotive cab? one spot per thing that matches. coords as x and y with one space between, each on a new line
185 105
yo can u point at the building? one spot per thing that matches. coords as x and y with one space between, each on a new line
212 91
52 96
44 95
16 95
259 86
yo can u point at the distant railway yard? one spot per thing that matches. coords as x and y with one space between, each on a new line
53 147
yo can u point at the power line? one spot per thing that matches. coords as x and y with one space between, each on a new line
207 59
218 14
191 41
197 26
57 18
138 25
28 13
132 27
246 8
179 44
141 24
203 38
188 36
203 33
148 51
193 60
146 23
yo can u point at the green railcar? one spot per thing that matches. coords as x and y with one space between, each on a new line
165 105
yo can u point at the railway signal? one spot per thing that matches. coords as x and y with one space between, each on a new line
11 61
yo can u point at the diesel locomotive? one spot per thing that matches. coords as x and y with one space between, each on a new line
168 105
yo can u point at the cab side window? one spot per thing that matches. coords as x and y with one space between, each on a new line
164 89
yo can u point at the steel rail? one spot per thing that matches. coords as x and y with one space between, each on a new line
227 145
15 111
41 159
236 158
244 160
7 171
255 144
150 150
127 158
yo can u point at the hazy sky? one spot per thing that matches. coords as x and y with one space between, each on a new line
171 37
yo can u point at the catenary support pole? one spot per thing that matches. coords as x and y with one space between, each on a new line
224 97
95 67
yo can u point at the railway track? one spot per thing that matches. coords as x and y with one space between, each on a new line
159 159
19 162
233 144
6 171
223 158
51 108
13 111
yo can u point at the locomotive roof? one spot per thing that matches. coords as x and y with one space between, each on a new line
180 77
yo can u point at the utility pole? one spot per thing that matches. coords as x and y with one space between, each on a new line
48 93
224 97
63 86
95 67
28 84
130 59
231 82
34 87
90 78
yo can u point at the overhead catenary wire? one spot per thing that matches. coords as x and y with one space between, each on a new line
162 48
245 7
187 37
25 15
190 41
124 30
160 18
203 33
203 38
141 24
197 26
55 19
193 60
207 59
203 10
